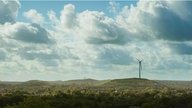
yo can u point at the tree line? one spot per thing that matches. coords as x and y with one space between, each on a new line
89 98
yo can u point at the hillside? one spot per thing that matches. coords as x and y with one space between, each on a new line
81 82
176 84
132 83
34 83
129 83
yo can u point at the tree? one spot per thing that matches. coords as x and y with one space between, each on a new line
33 102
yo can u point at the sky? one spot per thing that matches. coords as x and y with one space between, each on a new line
64 40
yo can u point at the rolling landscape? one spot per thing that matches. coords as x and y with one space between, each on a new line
90 93
129 83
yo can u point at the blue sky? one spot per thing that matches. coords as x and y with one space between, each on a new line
64 40
44 6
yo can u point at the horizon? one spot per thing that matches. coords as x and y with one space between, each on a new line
95 80
101 39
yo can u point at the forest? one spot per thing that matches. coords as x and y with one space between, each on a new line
120 93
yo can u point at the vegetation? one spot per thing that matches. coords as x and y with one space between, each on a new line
139 93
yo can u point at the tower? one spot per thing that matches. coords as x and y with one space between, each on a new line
140 67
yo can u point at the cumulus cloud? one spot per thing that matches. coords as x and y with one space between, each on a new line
31 33
137 23
167 20
25 32
92 26
34 16
8 11
68 16
96 28
24 42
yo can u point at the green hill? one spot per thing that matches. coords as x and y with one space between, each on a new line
134 83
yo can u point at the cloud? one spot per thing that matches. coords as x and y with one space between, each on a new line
68 16
164 20
114 7
36 53
115 56
91 41
96 28
8 11
130 26
2 55
32 33
182 9
26 42
181 48
33 15
93 27
52 16
187 58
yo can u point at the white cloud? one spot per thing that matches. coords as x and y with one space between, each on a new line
96 28
159 20
34 16
117 56
68 16
90 41
32 33
52 16
8 11
114 7
91 26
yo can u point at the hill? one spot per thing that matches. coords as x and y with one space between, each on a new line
132 83
176 84
34 83
81 82
129 83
